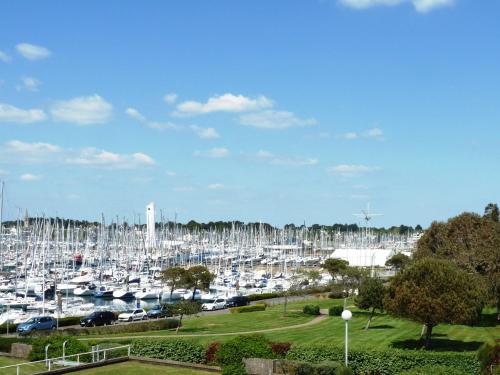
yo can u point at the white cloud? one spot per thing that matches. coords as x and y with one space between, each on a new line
275 120
374 133
171 173
224 103
351 170
39 152
183 189
73 196
9 113
83 110
216 153
422 6
32 52
4 57
3 172
350 135
170 98
29 84
205 133
216 186
29 177
270 158
135 114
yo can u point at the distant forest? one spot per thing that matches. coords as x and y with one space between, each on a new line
219 225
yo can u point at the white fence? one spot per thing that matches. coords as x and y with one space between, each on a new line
96 355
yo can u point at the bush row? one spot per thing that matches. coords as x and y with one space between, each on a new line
335 310
325 368
73 346
250 308
176 350
386 362
311 310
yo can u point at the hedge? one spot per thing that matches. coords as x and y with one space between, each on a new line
388 362
250 308
173 349
324 368
311 310
147 325
73 346
259 297
233 351
434 370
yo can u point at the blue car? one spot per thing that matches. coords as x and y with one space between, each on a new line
36 324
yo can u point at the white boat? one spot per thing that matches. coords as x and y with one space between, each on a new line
84 290
123 294
149 294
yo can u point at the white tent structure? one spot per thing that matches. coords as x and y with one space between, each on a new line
363 257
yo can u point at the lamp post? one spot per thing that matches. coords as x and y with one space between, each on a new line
346 315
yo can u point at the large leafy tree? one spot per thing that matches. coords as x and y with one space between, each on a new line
398 261
433 291
198 278
174 277
186 308
370 296
470 241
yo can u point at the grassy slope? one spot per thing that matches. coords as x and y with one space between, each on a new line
386 331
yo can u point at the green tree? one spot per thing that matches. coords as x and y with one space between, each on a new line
370 296
198 278
491 212
433 291
336 267
174 277
398 261
470 241
186 308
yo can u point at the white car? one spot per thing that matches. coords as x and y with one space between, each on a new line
214 304
129 315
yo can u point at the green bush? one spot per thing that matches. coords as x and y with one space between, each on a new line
311 310
73 346
233 351
250 308
234 370
6 342
70 321
3 328
387 362
325 368
173 349
489 355
335 310
434 370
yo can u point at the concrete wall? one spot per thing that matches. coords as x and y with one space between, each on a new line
19 350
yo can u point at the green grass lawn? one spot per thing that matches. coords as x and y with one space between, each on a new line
386 331
24 370
136 368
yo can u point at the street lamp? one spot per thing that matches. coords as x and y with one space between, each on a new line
346 315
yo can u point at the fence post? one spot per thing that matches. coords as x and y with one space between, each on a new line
97 352
49 364
104 355
78 359
128 350
17 370
46 354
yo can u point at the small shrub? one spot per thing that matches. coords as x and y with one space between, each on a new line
434 370
311 310
176 350
12 328
280 348
489 356
211 352
70 321
250 308
325 368
335 310
259 297
233 351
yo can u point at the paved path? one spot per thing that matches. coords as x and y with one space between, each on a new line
317 320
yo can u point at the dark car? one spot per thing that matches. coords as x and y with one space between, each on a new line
237 301
98 318
36 324
160 311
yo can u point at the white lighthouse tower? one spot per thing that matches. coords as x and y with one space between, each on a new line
150 225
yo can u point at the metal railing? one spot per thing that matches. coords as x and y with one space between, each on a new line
48 364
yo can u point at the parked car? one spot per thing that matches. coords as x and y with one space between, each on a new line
159 311
129 315
214 304
36 324
98 318
237 301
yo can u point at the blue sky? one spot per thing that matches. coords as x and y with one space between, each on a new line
280 111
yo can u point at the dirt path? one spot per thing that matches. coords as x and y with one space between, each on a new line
317 320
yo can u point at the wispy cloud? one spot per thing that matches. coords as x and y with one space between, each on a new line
216 153
205 133
5 57
19 152
28 177
11 114
224 103
422 6
170 98
373 133
271 119
351 170
161 126
183 189
29 84
33 52
216 186
270 158
83 110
